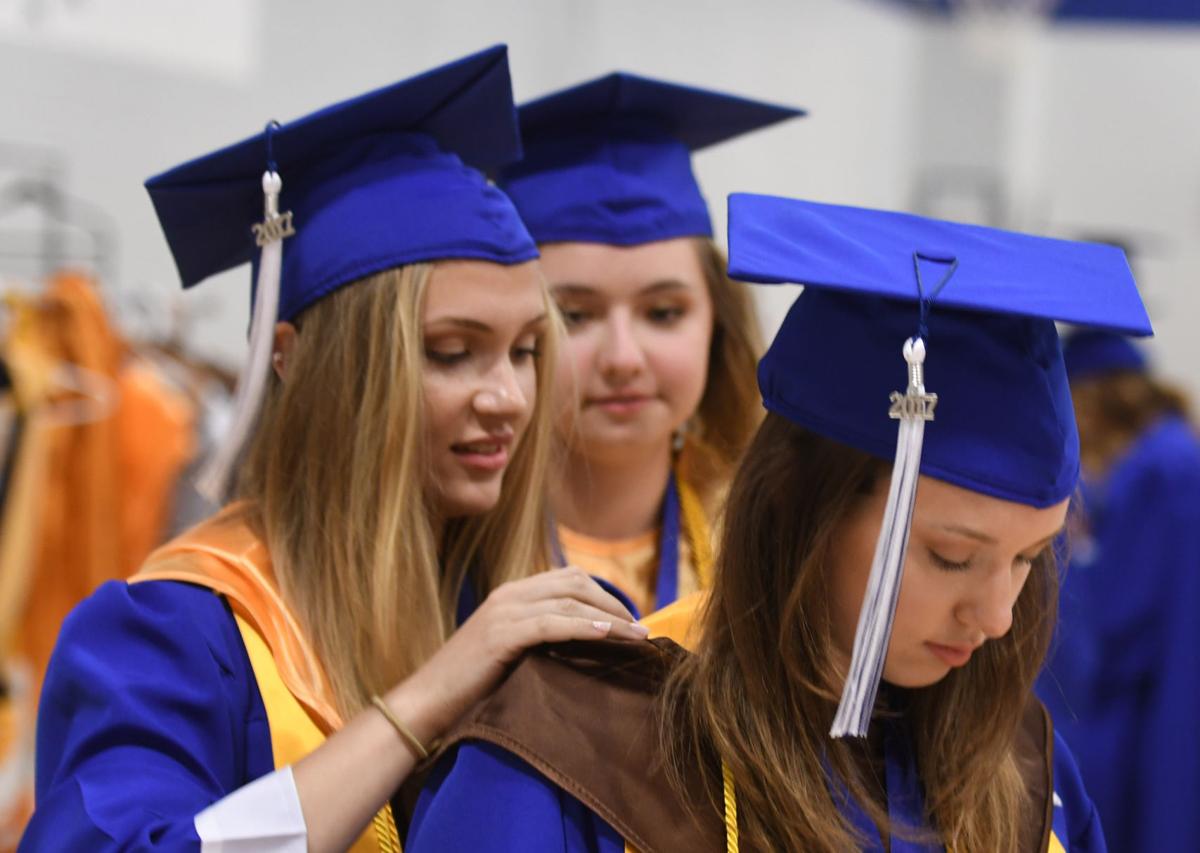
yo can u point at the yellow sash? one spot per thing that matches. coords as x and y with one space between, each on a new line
224 555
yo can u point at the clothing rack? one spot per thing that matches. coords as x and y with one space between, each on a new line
55 241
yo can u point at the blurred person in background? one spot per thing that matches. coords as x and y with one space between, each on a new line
1123 681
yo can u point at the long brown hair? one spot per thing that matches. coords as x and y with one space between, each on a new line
335 476
762 689
730 409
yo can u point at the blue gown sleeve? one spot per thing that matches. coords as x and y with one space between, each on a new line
1075 822
482 799
149 713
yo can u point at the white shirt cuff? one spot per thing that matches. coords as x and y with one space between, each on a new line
262 817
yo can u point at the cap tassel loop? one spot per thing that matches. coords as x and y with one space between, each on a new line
874 631
215 480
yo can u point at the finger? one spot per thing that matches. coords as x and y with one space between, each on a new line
621 628
574 583
555 628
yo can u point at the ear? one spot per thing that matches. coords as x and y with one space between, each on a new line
285 343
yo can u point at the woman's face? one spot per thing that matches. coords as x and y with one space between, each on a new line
968 558
639 321
482 325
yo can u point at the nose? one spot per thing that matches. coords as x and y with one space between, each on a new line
501 396
989 607
620 356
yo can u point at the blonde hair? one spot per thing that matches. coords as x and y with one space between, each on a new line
336 475
762 689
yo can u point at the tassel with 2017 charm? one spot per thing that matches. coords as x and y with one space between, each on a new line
216 478
912 408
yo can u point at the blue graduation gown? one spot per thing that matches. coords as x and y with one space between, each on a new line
1075 823
483 799
150 712
1122 685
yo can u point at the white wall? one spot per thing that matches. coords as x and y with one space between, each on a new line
1094 129
1122 153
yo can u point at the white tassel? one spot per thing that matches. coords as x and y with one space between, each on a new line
215 480
875 618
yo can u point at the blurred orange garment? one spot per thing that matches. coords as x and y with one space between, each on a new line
78 545
155 432
89 495
29 371
107 485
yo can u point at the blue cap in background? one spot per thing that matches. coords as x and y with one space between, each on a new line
609 161
1090 352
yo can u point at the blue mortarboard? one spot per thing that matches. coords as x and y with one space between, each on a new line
609 161
982 302
379 181
374 182
1092 352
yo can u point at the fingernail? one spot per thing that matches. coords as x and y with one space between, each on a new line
602 627
640 630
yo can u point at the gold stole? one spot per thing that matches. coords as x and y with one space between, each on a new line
696 531
224 555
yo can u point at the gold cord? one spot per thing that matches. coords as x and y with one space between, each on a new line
731 823
386 834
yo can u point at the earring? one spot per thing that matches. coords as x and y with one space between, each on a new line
679 436
277 361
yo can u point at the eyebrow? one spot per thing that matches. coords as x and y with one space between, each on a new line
1043 543
979 536
968 532
478 325
575 289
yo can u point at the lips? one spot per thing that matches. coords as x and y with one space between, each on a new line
620 404
951 655
485 448
484 454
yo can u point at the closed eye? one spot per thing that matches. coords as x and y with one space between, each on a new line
948 565
445 357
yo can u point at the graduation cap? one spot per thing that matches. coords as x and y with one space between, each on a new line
1091 352
883 292
389 178
609 161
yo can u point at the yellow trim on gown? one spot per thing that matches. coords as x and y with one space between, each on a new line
294 734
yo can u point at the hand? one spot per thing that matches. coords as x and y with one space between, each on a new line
550 607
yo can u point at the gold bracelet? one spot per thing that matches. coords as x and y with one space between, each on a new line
411 739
